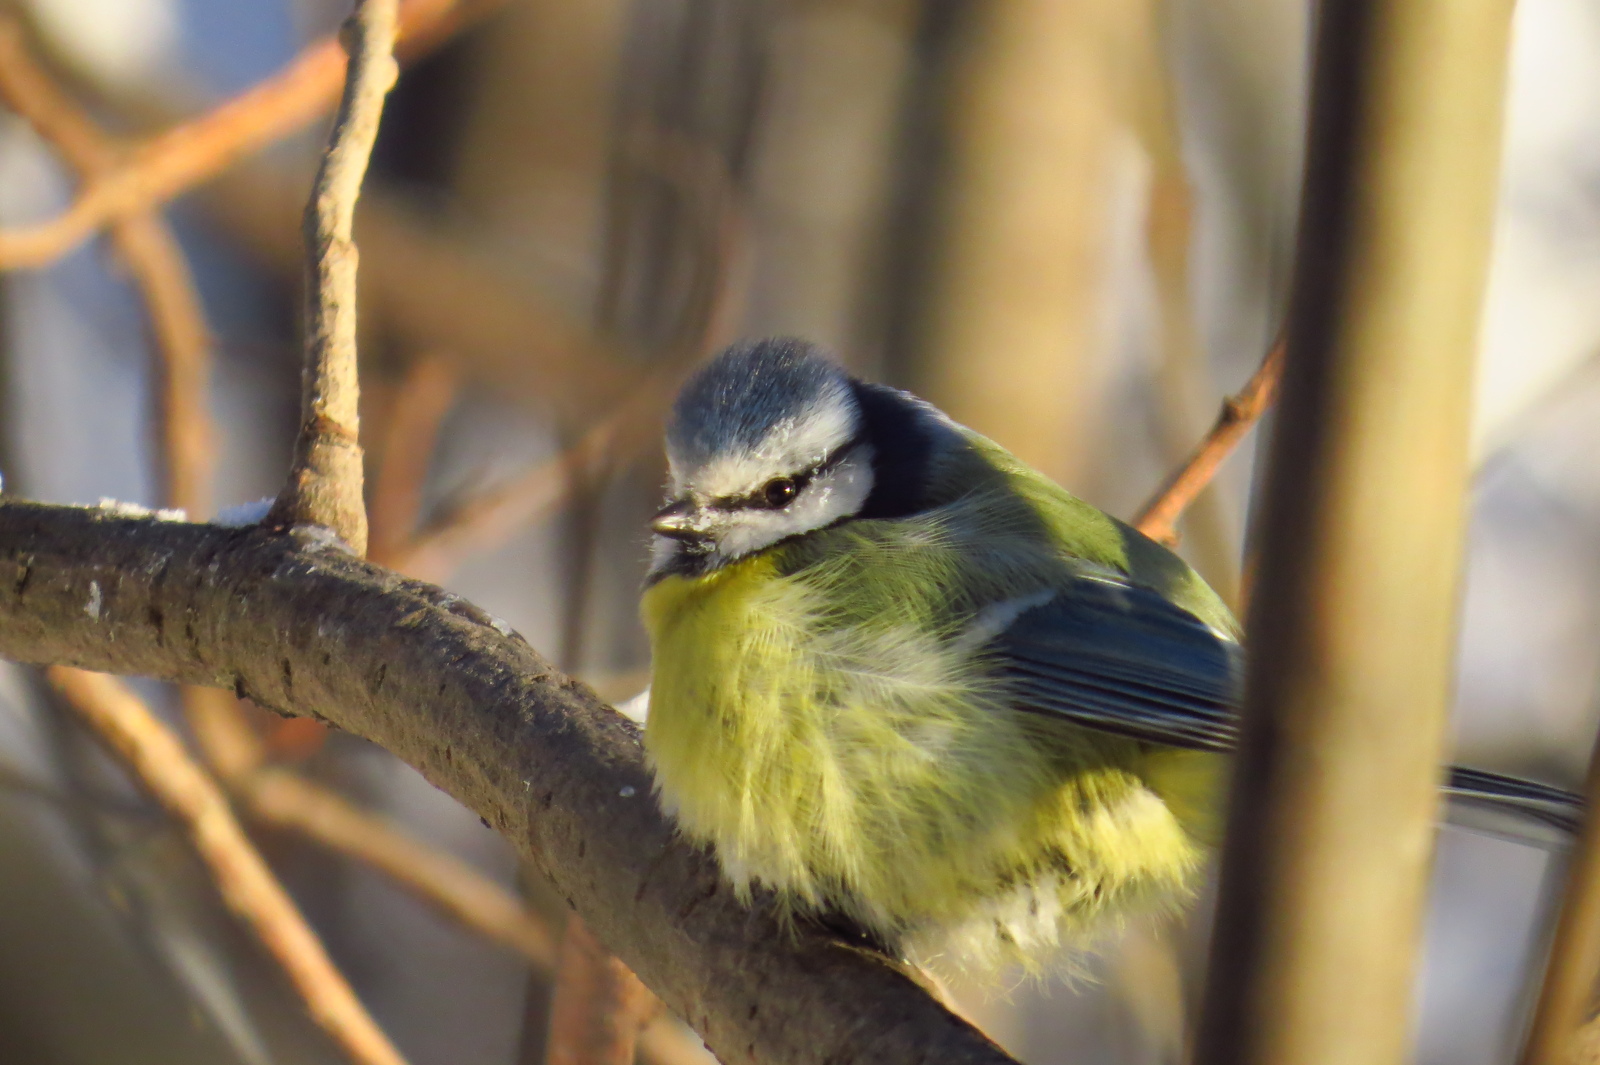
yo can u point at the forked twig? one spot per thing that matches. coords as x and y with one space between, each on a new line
163 768
188 154
325 481
150 251
1240 412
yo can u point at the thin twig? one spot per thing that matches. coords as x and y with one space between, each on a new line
598 1007
488 518
423 398
1567 993
188 154
283 799
1240 412
325 483
156 757
151 253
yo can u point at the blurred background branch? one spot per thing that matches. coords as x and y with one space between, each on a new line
162 766
190 153
1352 621
1069 224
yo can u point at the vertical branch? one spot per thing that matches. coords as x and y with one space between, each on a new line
1569 976
421 402
325 482
1181 383
1352 626
598 1006
1013 315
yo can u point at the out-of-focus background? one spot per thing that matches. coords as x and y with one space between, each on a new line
1070 224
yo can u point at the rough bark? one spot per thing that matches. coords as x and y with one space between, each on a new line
299 625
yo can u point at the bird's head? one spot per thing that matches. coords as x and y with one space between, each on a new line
764 443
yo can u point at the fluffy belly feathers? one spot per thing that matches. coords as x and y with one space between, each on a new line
874 768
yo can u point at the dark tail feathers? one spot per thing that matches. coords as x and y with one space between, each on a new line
1523 798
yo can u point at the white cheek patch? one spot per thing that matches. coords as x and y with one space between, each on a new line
793 444
832 495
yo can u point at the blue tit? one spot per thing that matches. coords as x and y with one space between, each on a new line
901 678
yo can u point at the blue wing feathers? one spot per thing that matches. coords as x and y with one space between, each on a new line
1119 658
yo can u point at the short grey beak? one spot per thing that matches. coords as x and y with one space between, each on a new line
676 521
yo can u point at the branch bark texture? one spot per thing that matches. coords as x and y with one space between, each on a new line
301 626
324 486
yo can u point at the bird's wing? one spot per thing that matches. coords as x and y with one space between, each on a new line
1115 656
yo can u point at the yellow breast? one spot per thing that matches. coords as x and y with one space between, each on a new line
874 767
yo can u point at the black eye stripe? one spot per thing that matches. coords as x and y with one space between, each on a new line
757 500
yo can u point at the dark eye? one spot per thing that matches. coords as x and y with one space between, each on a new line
780 491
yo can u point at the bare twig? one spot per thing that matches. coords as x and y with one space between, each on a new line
1567 993
1240 412
325 482
188 154
488 518
422 400
285 800
598 1007
156 757
282 799
151 253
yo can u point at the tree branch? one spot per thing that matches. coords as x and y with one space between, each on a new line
300 626
1159 518
486 519
151 253
1334 797
324 486
120 720
287 801
190 153
598 1007
1557 1034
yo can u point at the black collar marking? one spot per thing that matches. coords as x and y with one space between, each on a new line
903 446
